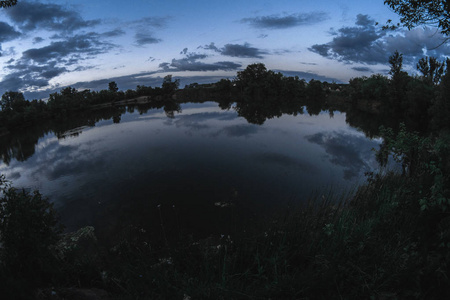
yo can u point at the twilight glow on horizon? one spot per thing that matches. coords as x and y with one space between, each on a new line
47 45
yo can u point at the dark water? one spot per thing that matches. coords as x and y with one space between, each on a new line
201 170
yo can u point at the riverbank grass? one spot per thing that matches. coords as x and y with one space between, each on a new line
376 244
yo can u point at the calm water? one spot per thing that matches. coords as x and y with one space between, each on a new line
202 170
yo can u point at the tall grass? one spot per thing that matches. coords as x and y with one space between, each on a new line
376 243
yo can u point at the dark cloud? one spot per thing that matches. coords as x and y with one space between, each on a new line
113 33
7 32
283 51
192 63
28 76
236 50
307 76
412 44
308 64
143 27
83 44
184 65
245 50
35 15
155 22
368 44
349 151
38 66
286 21
211 46
67 49
37 40
362 69
364 20
361 43
164 65
142 39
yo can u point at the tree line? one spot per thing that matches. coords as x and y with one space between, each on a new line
421 100
18 112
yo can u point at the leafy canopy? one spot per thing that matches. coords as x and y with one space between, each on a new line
422 12
8 3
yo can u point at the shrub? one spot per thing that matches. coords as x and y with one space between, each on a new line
28 230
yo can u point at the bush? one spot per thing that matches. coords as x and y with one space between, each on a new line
28 230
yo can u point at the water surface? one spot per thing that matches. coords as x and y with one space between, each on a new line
197 169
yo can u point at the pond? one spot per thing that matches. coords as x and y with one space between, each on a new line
196 169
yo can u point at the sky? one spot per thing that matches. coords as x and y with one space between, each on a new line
48 45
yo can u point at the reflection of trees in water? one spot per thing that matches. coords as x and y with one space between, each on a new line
20 144
170 107
257 111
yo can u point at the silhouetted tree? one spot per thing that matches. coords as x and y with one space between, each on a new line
168 86
170 107
422 12
257 82
440 110
130 94
8 3
315 90
12 101
431 69
399 80
112 87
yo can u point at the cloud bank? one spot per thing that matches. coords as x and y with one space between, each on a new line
286 20
366 43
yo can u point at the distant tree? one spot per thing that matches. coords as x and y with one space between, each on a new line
315 90
422 12
431 69
396 62
112 86
440 110
12 101
143 90
253 73
257 82
170 107
8 3
224 84
399 81
130 94
169 86
194 85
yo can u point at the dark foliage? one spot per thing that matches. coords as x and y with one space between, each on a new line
422 12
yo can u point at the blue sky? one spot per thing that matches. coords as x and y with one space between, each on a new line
47 45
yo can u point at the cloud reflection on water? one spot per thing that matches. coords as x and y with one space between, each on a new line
347 150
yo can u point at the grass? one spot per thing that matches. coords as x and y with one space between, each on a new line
374 244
